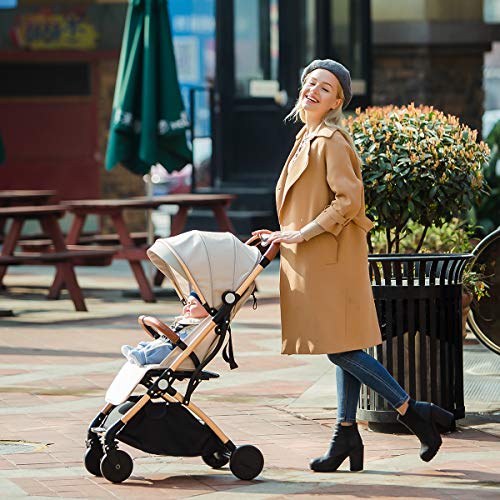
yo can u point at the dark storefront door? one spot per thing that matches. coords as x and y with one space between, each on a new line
261 48
259 57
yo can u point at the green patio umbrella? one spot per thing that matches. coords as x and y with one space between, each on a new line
148 121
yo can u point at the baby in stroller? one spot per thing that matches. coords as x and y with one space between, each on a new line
155 351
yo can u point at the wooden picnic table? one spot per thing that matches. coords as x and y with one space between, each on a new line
19 197
127 248
16 197
62 257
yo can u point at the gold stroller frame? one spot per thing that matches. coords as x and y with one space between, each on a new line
246 462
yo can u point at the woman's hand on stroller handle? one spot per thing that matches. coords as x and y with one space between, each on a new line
262 234
269 237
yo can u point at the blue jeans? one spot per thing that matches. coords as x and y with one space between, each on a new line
152 353
355 368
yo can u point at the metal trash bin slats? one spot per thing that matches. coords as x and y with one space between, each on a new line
419 305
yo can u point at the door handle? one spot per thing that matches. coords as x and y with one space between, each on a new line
281 98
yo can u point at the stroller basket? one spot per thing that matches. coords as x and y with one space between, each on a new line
165 429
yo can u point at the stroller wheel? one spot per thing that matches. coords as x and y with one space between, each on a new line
216 460
92 460
246 462
116 466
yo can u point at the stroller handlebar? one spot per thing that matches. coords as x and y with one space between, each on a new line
261 240
158 326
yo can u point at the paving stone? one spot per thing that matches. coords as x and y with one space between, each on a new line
57 368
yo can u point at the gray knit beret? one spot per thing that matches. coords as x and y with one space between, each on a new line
334 67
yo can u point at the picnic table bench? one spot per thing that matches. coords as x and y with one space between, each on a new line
34 245
62 257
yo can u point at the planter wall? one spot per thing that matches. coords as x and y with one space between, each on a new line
419 305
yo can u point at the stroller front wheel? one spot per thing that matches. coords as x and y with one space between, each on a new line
216 460
116 466
246 462
92 459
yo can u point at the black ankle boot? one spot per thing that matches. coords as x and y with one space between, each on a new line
346 442
421 418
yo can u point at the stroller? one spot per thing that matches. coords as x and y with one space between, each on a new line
221 270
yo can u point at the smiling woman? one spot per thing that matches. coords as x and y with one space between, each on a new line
319 94
326 299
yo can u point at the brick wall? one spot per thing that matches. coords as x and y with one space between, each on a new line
448 78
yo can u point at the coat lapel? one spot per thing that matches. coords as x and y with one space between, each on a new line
280 186
289 178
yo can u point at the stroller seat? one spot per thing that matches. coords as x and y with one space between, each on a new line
131 375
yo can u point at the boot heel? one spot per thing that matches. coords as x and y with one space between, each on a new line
443 417
356 459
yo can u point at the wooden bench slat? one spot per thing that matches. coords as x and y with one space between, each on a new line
31 212
78 257
139 238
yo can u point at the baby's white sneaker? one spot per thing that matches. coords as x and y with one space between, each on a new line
126 349
134 358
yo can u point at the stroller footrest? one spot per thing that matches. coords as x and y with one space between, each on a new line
184 374
204 375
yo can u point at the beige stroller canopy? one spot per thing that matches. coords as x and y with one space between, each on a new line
208 263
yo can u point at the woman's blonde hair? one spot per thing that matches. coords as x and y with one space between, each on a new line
333 119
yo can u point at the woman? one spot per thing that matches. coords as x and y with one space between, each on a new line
327 305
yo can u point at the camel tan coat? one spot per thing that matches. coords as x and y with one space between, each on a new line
326 298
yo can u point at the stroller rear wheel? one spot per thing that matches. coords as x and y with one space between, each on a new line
92 459
246 462
216 460
116 466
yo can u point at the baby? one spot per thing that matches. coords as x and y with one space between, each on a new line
154 352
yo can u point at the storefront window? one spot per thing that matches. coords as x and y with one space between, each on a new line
8 4
310 30
50 79
256 46
346 39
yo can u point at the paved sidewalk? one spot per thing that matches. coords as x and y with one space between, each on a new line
56 365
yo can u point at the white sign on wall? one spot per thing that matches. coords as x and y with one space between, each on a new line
263 88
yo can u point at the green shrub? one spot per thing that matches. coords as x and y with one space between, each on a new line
420 166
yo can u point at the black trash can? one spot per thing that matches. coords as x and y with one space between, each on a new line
419 305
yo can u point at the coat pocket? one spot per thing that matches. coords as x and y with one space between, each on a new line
332 251
321 249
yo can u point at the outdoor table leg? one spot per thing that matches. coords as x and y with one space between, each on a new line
179 220
127 242
65 269
10 244
71 239
222 219
76 229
